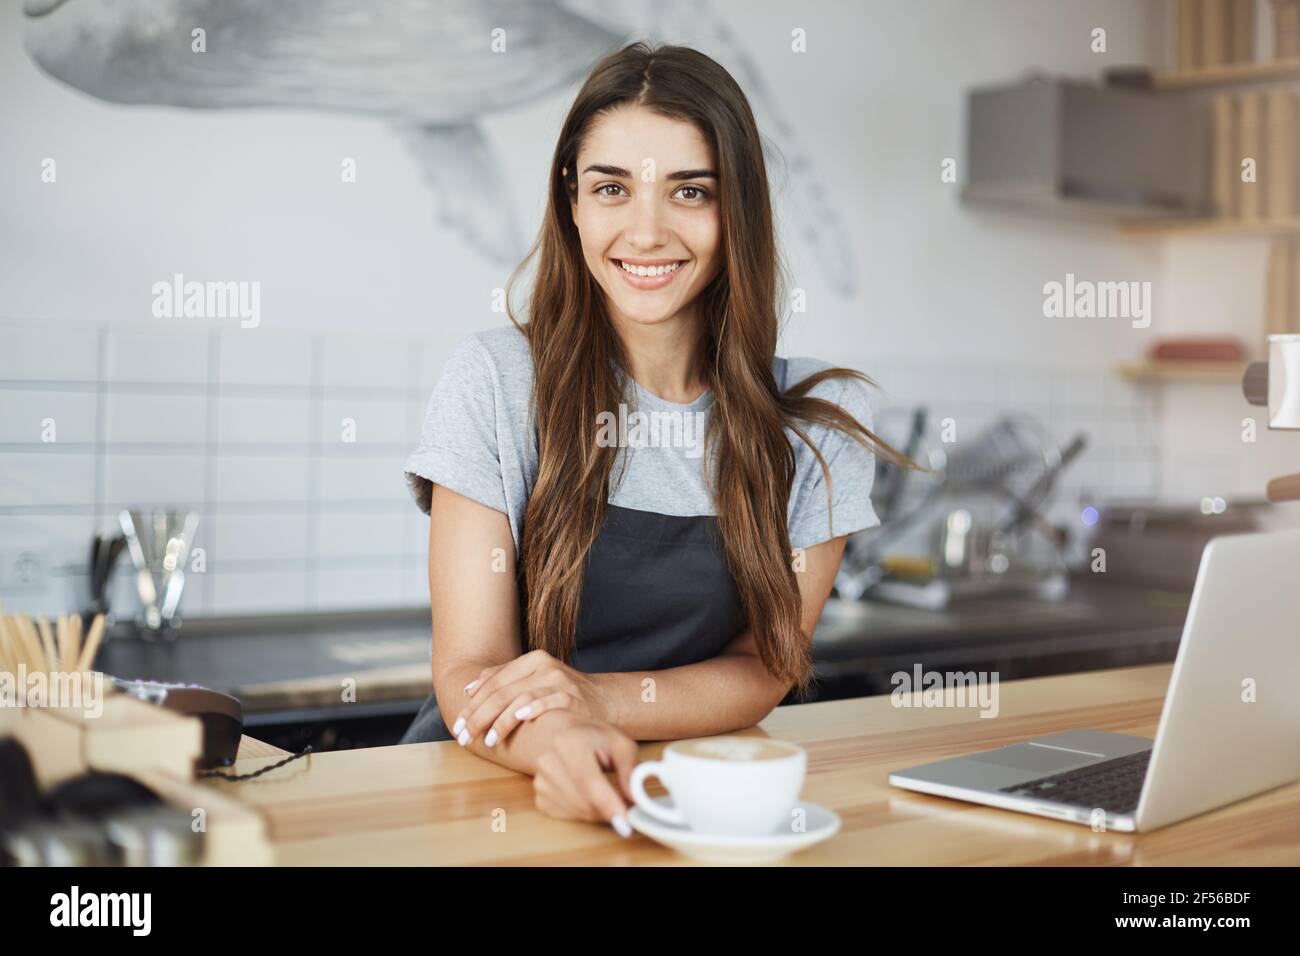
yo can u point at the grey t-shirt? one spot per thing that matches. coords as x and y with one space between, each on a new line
478 440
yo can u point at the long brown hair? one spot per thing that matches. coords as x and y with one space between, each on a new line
580 369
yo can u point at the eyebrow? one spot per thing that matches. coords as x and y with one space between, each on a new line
622 173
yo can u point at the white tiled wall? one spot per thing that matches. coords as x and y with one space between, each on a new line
1118 418
246 427
243 426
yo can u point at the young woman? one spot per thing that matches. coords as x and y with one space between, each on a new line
637 510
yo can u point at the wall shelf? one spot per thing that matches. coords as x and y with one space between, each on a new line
1210 226
1228 74
1173 371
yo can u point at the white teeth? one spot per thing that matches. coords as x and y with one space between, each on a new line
648 270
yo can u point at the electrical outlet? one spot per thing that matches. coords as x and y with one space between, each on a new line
27 569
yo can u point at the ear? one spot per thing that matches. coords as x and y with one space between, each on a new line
572 194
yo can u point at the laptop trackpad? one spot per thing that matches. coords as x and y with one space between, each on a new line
1042 760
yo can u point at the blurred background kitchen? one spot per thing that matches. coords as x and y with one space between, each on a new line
230 487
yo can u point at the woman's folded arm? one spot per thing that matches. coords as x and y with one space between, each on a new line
725 693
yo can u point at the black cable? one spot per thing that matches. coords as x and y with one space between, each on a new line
222 775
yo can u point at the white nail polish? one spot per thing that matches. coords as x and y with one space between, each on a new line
470 686
460 725
491 737
463 739
523 712
621 826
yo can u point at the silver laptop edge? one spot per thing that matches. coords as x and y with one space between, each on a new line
1230 725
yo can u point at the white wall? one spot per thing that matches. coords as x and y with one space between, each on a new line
877 102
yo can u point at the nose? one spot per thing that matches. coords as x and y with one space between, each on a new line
646 229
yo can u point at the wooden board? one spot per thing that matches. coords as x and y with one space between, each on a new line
436 803
1263 71
128 735
1180 371
234 834
155 746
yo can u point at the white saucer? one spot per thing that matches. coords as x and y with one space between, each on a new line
822 824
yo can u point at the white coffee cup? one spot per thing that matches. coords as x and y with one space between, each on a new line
739 786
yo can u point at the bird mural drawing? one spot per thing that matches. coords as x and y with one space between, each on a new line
433 69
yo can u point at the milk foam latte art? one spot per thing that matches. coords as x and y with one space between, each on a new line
735 748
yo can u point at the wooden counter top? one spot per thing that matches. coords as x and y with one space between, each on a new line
423 804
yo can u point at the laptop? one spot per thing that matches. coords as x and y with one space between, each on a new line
1230 727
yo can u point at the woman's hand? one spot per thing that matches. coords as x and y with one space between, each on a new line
532 684
570 783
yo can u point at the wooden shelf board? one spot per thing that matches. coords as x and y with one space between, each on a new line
1181 371
1227 74
1210 226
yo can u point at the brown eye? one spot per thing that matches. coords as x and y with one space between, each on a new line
600 190
699 194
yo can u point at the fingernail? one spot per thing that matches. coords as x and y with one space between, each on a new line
470 686
491 737
463 739
524 712
621 826
459 726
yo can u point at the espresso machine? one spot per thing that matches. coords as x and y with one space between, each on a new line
1275 384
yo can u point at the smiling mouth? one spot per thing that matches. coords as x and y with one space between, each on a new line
661 268
654 274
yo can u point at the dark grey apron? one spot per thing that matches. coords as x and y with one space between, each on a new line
657 593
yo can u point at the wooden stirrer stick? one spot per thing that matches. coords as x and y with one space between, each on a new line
92 643
47 642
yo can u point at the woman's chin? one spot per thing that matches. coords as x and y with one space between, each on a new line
642 313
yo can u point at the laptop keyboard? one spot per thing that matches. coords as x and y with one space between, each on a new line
1112 785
